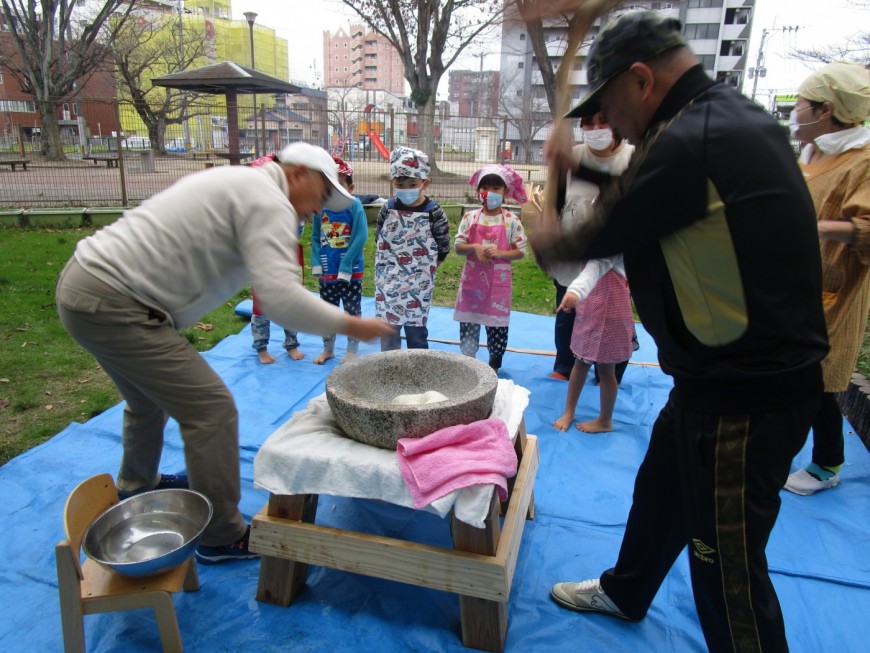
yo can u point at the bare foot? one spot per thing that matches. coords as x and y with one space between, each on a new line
596 426
348 357
563 422
265 357
295 354
323 357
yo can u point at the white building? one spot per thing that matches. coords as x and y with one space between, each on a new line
717 31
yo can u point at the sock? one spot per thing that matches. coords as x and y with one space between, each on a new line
822 473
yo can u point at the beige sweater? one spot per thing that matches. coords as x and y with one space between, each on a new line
840 187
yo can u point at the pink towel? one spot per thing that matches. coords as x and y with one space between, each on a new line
455 457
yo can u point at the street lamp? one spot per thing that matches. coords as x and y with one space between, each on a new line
251 16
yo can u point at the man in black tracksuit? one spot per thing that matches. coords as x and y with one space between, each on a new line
721 251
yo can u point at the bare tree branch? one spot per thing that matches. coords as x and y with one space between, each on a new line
55 44
428 35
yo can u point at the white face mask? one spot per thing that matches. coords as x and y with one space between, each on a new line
794 125
598 139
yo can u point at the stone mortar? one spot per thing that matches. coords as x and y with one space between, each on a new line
359 394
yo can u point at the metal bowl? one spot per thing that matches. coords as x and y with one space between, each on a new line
360 394
149 533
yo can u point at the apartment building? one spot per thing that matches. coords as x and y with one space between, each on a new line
718 32
356 57
473 93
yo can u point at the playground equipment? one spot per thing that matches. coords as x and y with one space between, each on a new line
372 128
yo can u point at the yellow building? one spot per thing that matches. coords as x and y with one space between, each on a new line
226 40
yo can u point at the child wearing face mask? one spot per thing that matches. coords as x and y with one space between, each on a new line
490 238
412 238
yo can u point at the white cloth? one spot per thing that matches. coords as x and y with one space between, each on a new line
188 248
309 454
837 142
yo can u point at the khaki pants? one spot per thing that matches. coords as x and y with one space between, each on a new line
160 375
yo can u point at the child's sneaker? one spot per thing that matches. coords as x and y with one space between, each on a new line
167 482
212 555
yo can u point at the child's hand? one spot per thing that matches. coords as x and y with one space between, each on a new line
569 301
480 253
489 252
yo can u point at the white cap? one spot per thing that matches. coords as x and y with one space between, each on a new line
316 158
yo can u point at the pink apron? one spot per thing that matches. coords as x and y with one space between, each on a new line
485 289
604 323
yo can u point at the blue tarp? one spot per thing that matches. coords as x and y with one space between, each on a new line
818 551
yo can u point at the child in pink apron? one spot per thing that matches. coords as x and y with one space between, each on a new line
603 335
490 238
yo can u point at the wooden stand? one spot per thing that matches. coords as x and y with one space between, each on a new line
479 569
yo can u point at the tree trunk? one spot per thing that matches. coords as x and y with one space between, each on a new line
426 131
52 146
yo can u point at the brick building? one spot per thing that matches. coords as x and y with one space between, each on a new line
355 57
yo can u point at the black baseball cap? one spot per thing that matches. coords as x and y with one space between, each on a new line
633 36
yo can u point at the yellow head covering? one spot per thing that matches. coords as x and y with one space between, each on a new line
845 85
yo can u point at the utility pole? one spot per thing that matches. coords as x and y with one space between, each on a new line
251 16
760 70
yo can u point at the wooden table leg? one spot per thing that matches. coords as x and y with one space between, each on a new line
519 448
484 622
281 580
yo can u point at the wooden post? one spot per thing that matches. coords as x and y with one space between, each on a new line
281 580
484 622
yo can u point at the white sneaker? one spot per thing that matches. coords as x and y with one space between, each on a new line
586 596
804 483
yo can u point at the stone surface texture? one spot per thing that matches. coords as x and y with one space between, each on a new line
360 394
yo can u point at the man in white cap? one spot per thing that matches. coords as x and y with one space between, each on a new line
828 117
130 287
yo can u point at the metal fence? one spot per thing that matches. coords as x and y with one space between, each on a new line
110 167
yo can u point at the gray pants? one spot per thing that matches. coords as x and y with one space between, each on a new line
160 375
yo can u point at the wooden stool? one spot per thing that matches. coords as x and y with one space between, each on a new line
91 589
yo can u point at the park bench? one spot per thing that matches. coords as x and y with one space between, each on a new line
14 162
111 160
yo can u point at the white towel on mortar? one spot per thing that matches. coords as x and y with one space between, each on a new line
309 454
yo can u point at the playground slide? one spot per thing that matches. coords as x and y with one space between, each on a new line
378 144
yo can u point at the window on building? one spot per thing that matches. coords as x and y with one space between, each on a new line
521 65
77 111
522 37
703 4
701 31
19 106
519 92
1 79
708 61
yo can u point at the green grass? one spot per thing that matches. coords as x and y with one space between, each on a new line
48 381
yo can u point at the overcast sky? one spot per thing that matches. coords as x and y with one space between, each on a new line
819 22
